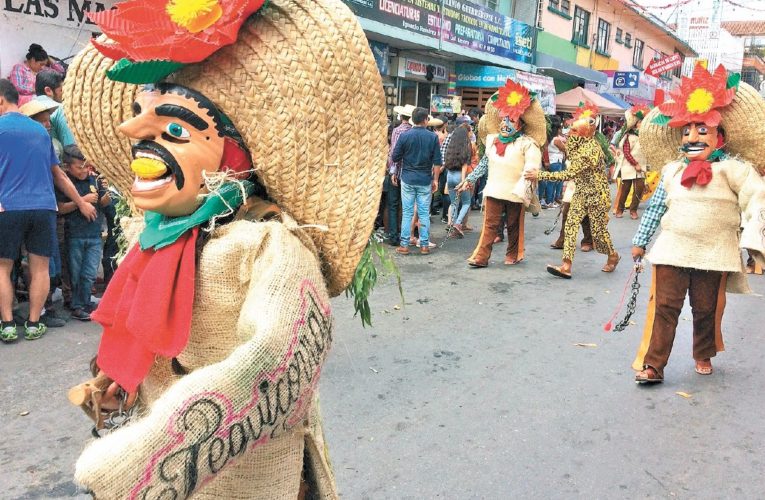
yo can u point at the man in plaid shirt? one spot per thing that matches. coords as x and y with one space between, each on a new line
392 187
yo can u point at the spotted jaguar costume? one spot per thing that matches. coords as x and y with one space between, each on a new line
591 198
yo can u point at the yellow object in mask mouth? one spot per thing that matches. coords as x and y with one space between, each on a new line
148 168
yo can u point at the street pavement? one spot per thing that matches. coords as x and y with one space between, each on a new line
482 383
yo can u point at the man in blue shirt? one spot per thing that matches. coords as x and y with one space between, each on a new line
419 152
28 171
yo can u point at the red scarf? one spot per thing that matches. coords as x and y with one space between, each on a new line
501 146
697 172
146 310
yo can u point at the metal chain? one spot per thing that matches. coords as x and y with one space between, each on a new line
631 305
118 418
549 230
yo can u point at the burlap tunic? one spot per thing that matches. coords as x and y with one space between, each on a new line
238 424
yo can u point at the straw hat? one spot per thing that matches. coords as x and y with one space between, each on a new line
743 121
295 64
35 106
405 110
435 122
535 125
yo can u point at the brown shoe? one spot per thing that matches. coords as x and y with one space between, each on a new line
402 250
509 261
586 247
425 250
611 263
649 375
633 215
557 245
619 214
473 263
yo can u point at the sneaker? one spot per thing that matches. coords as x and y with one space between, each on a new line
543 204
90 307
444 220
52 321
34 332
81 314
553 205
9 333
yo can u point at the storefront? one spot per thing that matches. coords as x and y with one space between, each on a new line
426 39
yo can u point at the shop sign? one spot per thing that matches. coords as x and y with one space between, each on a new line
456 21
445 104
475 75
380 51
665 64
419 68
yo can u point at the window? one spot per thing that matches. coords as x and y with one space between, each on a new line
491 4
619 34
562 7
637 55
677 72
628 39
581 27
604 35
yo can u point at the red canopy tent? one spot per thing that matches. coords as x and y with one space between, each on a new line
568 101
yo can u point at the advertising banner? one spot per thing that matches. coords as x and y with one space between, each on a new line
543 85
445 104
380 51
665 64
461 23
475 75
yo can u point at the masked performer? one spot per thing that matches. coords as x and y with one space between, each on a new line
591 196
516 128
702 201
217 322
631 162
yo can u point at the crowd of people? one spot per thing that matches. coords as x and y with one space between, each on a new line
57 214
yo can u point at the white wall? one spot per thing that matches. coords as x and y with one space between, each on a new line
58 25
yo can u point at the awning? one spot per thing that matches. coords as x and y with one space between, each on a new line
568 101
566 70
616 100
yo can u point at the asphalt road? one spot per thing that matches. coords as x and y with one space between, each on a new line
475 388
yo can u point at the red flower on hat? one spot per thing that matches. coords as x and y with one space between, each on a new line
513 100
640 111
182 31
586 110
697 99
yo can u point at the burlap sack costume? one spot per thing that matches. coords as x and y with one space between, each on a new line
241 418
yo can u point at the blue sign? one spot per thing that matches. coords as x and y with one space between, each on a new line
474 75
455 21
626 79
380 51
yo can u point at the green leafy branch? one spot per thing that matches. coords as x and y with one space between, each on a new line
365 277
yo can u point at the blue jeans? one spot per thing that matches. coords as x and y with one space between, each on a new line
411 194
454 177
553 189
84 257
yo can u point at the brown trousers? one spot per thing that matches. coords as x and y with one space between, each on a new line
706 291
586 240
492 223
638 186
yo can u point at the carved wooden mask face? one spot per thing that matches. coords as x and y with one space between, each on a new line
699 141
177 139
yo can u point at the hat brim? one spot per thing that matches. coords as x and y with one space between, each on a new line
743 121
305 60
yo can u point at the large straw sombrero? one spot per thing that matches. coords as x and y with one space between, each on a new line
295 65
533 118
743 121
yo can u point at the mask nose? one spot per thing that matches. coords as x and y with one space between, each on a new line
138 127
693 134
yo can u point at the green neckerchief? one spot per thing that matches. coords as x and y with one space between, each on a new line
635 131
162 231
717 155
509 138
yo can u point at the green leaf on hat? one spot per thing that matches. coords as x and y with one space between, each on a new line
142 72
662 120
494 97
733 80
